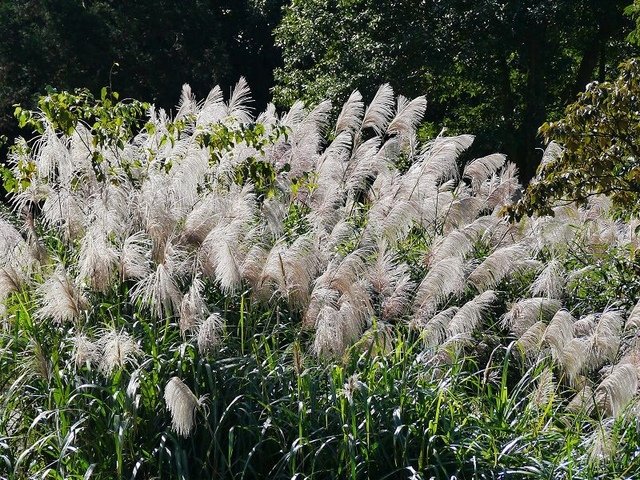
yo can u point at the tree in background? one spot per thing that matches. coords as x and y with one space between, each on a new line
594 148
144 49
498 68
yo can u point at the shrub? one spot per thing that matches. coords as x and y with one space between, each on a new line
223 295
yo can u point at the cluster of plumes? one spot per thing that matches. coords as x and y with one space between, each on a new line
596 356
171 219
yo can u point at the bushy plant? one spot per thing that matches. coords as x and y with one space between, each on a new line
223 295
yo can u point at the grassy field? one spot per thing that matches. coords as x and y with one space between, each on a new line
219 295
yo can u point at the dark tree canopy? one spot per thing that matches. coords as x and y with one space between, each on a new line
599 137
143 49
497 68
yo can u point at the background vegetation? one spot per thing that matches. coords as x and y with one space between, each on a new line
497 68
330 288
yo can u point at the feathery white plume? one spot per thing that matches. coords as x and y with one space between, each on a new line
559 332
583 401
526 312
551 153
335 331
617 390
158 291
380 110
433 331
60 299
632 325
238 107
182 404
351 114
135 257
408 117
117 349
471 314
98 259
531 340
605 339
84 351
210 333
483 168
445 278
574 358
545 389
550 282
192 308
498 266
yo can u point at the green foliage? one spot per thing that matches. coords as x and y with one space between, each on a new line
111 121
498 68
599 136
144 50
97 317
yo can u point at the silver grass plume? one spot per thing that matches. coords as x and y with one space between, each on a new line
551 281
193 309
60 299
462 211
583 401
605 339
98 259
455 244
210 333
116 350
398 301
253 267
213 109
221 256
433 331
335 331
355 303
182 404
447 277
408 116
85 351
545 389
64 212
617 390
187 105
632 325
350 117
158 290
135 261
602 443
292 269
531 340
439 157
574 358
585 326
390 280
363 165
238 107
482 169
499 265
461 242
342 273
471 314
559 332
500 190
380 111
525 313
11 280
551 153
321 297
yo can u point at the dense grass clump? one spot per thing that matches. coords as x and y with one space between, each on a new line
218 295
